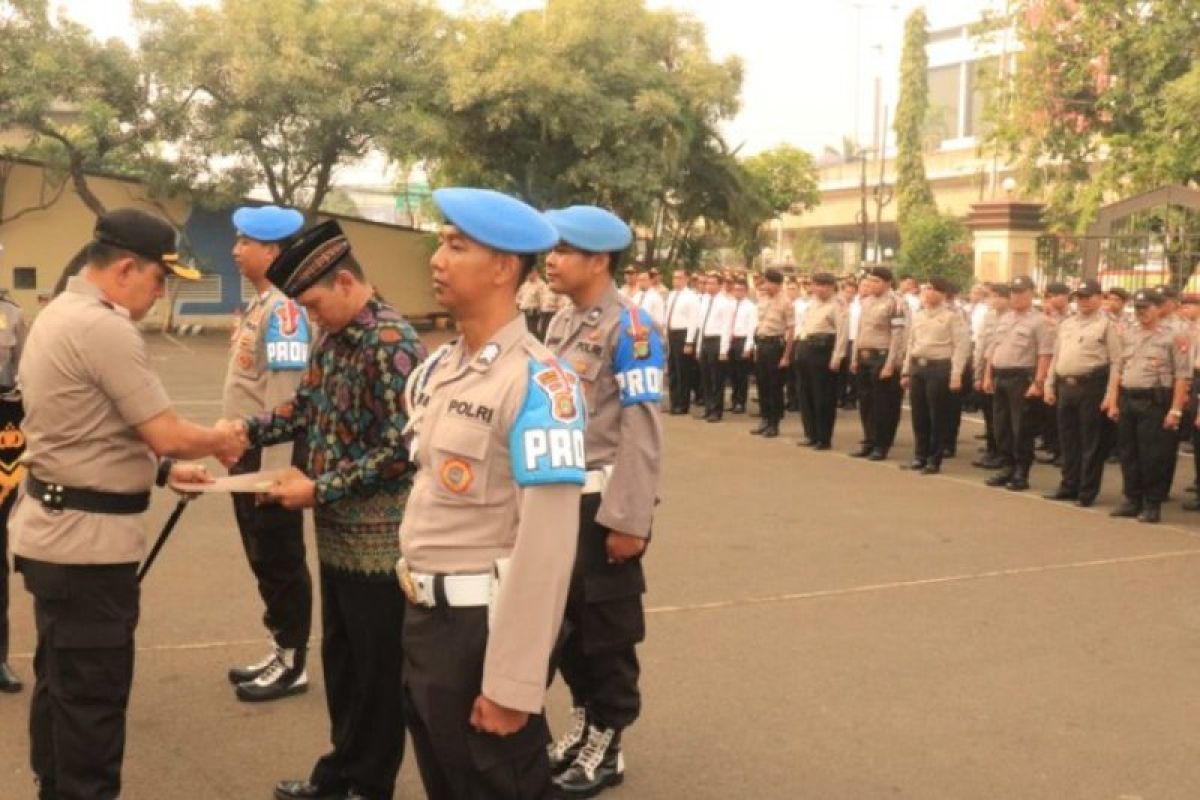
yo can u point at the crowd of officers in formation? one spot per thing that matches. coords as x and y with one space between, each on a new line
1084 375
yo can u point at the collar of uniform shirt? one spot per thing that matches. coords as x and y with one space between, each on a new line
592 313
81 285
501 341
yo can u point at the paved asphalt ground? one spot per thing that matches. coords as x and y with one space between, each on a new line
819 627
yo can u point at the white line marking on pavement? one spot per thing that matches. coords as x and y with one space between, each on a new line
947 579
178 343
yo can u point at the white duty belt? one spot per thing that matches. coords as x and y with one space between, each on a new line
422 589
597 480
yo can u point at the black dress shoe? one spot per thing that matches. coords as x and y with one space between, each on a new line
862 452
806 443
916 465
999 479
1049 458
877 455
771 432
988 462
1061 494
1192 505
1150 513
760 430
931 469
1126 509
9 682
822 446
304 790
1085 502
1017 484
738 410
950 452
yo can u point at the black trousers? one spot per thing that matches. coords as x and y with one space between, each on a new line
791 381
847 386
273 539
11 475
679 370
816 390
1081 433
932 409
1050 438
712 376
986 402
362 656
603 624
770 377
83 668
1147 449
443 675
1016 418
959 401
738 369
879 402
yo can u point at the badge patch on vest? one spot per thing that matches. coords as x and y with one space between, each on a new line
287 337
546 439
456 475
638 359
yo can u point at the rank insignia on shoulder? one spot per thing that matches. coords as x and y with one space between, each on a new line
488 354
593 316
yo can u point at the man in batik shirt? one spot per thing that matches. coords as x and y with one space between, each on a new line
357 479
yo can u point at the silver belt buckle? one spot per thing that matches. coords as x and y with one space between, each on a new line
1072 380
924 362
407 584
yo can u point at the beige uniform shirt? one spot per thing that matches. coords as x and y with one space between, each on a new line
621 366
824 317
87 382
938 334
776 315
266 363
1018 339
883 325
499 445
1153 359
1084 345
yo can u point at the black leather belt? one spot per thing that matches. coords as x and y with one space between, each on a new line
57 497
768 338
1087 377
1147 394
870 353
931 362
1012 372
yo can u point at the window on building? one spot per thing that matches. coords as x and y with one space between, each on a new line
945 103
982 77
24 277
947 34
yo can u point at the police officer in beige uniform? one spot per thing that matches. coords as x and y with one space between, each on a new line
772 351
1154 375
268 358
939 343
820 338
497 430
618 353
1018 358
1081 386
97 416
12 445
877 360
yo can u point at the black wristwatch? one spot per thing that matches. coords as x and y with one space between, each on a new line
164 471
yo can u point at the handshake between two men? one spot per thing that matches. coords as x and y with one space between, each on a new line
290 488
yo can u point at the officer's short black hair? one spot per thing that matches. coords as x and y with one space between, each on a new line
102 255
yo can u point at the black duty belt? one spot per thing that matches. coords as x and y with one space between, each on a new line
1012 372
931 363
57 497
768 338
1087 377
820 338
1147 394
871 353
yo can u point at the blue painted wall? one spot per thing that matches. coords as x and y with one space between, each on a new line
210 236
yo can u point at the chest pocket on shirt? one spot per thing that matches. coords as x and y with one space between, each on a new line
459 453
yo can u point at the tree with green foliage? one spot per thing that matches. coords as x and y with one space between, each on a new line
80 102
935 244
913 194
595 101
1100 102
780 180
283 92
812 254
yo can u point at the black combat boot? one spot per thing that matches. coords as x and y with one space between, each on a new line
598 765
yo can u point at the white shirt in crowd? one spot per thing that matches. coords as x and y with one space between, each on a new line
683 312
653 303
914 301
715 318
745 321
798 307
978 315
855 315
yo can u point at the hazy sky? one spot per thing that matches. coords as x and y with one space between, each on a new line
801 56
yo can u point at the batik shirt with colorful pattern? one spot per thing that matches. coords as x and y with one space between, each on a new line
349 411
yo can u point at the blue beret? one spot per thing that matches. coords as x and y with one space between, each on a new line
591 228
496 220
267 223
